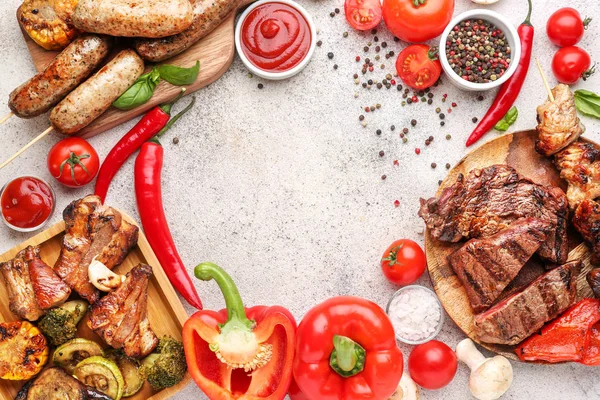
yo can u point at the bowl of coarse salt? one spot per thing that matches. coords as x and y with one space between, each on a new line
416 314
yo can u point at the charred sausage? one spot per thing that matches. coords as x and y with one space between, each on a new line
71 67
136 18
94 96
208 14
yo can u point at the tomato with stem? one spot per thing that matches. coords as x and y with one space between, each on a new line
403 262
363 14
73 162
566 27
418 66
571 63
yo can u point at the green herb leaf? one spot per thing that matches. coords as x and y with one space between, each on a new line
140 92
587 103
508 120
179 76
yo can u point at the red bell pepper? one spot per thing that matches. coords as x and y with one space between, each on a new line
346 350
565 339
239 353
591 354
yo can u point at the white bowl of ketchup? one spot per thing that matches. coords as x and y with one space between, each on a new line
275 39
27 203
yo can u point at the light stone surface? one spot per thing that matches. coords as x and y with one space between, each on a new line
282 186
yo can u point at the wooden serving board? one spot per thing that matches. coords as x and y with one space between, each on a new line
165 311
516 150
215 52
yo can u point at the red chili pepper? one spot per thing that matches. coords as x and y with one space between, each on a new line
147 127
510 89
148 194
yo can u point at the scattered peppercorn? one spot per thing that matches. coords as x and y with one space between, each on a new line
433 165
413 122
357 58
474 120
361 117
480 98
335 66
417 151
345 34
337 10
384 44
381 153
330 55
447 165
175 140
404 140
396 202
438 110
383 177
366 48
319 43
332 14
405 130
448 137
442 123
442 115
378 131
373 31
429 101
260 86
393 127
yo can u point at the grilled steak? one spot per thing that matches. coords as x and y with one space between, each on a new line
32 285
121 317
593 279
486 266
587 222
55 384
522 314
92 230
579 165
489 200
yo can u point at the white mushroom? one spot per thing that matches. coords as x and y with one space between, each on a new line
490 377
485 2
407 389
102 277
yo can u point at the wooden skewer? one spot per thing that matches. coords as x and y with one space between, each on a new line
6 118
28 145
550 95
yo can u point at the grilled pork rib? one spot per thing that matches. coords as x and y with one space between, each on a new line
579 165
486 266
32 285
587 222
121 317
559 125
522 314
92 230
489 200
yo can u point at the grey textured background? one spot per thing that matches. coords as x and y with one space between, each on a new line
281 186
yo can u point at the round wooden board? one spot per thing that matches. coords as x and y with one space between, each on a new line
516 150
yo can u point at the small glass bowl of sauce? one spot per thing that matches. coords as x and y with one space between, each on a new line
27 203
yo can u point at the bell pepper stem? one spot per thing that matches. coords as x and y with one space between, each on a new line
347 357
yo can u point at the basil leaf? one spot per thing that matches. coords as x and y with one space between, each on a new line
140 92
587 103
507 120
502 125
179 76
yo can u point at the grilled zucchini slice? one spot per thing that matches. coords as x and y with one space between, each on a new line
23 350
73 352
129 367
48 22
101 374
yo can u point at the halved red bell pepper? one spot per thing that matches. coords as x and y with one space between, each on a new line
239 353
566 338
591 354
346 350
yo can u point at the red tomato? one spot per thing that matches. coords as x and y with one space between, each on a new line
432 365
363 14
403 262
565 27
571 63
417 24
73 162
418 66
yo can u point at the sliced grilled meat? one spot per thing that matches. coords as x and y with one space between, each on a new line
579 165
55 384
486 266
558 123
522 314
587 222
121 317
593 278
50 291
489 200
92 230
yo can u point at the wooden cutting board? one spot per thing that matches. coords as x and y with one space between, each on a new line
214 51
516 150
165 311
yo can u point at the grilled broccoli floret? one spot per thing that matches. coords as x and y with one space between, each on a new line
59 325
165 367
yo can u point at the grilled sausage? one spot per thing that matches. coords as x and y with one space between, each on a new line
208 14
136 18
94 96
71 67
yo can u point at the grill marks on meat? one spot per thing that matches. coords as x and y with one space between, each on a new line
92 230
579 165
486 266
121 317
587 222
488 200
593 279
32 285
558 123
522 314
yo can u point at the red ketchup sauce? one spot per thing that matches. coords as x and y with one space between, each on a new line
275 37
27 202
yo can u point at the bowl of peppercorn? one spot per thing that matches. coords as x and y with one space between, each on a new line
479 50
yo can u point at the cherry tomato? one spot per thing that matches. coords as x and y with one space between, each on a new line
419 23
363 14
73 162
571 63
418 66
403 262
565 27
432 365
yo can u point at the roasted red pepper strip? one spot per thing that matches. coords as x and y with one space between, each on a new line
346 350
148 193
565 339
144 130
591 354
510 90
239 353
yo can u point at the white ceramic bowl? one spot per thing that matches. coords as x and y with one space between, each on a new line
283 74
34 228
513 41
